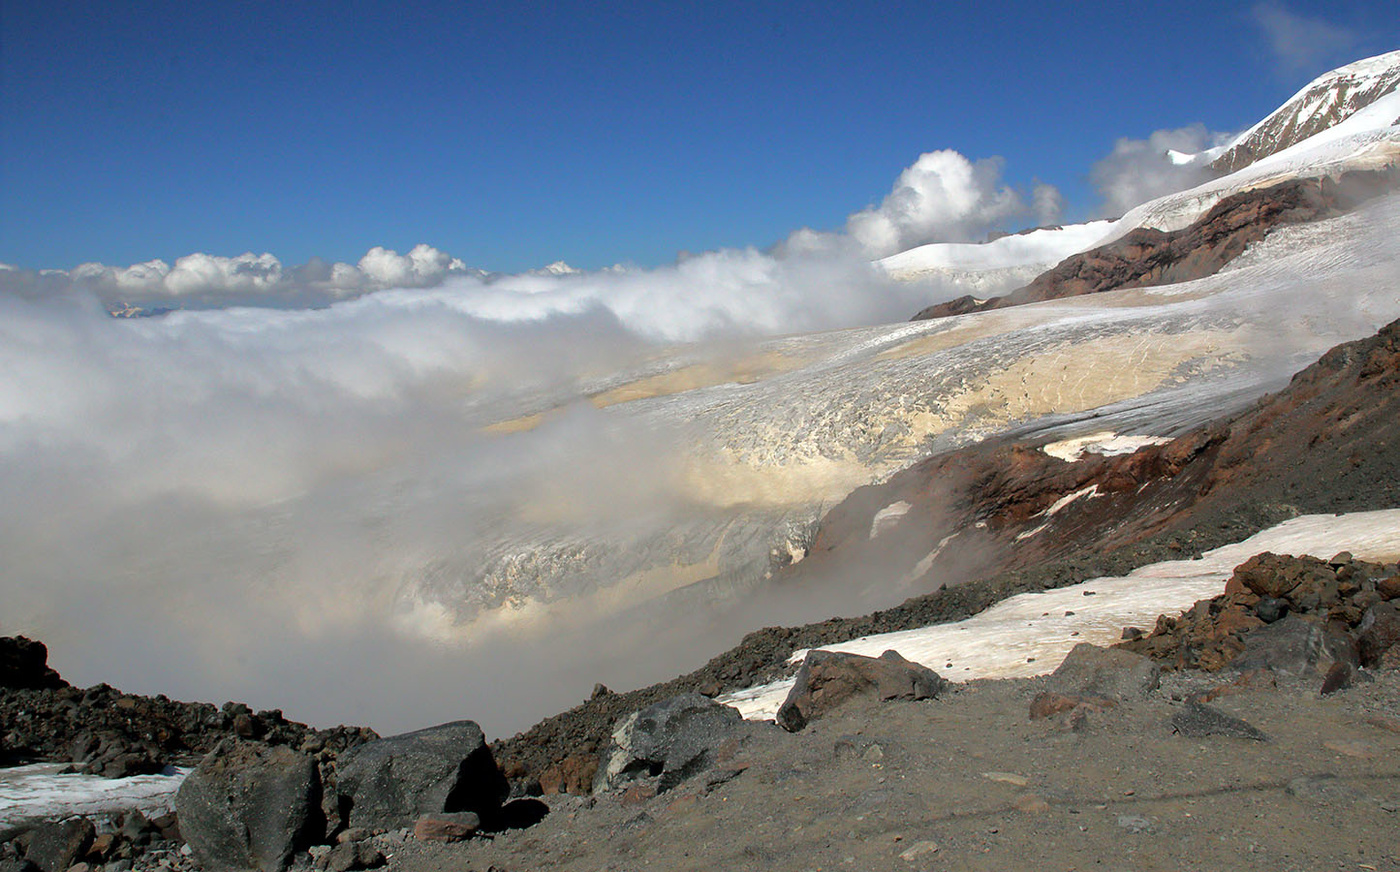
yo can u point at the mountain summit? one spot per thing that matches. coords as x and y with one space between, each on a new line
1323 103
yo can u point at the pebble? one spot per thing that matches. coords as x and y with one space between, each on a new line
1134 823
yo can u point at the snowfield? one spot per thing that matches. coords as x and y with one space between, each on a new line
1030 634
41 791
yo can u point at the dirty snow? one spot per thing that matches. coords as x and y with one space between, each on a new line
1030 634
42 791
1104 442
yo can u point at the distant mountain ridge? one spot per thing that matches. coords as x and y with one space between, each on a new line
1323 103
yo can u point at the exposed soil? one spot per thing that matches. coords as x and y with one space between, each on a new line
969 781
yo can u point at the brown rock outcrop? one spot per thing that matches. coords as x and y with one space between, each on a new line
1146 257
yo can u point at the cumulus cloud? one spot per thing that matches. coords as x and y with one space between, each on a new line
942 197
1302 43
203 280
1137 170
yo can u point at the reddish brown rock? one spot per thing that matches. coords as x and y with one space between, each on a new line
573 774
1048 704
1146 257
446 827
1389 588
1257 679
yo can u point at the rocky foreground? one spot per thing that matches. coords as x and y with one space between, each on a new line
1260 729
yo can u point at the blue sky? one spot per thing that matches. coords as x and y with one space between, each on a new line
515 134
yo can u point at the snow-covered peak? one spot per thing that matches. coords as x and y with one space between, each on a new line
558 268
1322 103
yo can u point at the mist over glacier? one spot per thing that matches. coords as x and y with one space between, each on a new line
270 493
226 501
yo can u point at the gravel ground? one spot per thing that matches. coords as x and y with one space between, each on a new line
970 782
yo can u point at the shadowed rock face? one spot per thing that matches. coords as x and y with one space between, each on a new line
1146 257
24 664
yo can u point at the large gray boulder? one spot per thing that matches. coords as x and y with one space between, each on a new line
250 806
1296 647
668 742
1089 670
392 782
829 678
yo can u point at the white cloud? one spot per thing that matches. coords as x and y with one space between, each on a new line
1137 170
203 280
1301 43
423 267
942 197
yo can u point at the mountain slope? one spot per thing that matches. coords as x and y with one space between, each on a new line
1321 104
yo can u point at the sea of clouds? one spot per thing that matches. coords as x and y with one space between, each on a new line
225 501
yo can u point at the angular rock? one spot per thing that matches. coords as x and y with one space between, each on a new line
58 845
446 827
24 664
392 782
1291 646
1089 670
1389 588
1197 720
829 678
1278 576
671 740
1378 632
249 806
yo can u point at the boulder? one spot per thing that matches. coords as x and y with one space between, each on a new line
1378 632
1278 576
829 678
1089 670
24 664
669 741
57 845
1293 646
392 782
446 827
250 806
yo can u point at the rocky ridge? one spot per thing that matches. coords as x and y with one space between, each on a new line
1322 103
1146 257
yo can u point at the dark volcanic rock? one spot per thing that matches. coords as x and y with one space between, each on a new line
56 846
829 678
248 806
107 732
392 782
669 742
24 664
1198 720
1378 632
349 856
